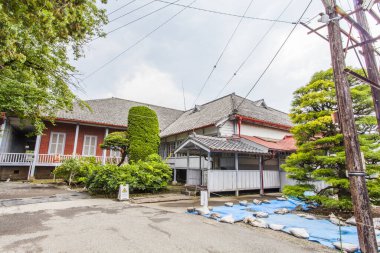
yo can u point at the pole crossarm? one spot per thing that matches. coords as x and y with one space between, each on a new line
350 20
362 78
314 31
364 42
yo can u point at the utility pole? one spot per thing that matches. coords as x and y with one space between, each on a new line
369 57
358 188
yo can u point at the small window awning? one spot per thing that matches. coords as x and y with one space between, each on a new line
196 143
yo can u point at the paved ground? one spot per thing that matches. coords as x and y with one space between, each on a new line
102 225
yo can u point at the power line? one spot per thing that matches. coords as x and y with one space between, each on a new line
129 12
222 53
230 14
275 55
138 41
121 7
254 49
137 19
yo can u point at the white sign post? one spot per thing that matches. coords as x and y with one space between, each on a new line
204 198
123 192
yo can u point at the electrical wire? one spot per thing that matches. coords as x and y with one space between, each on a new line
275 55
121 7
222 53
254 49
129 12
137 19
230 14
138 41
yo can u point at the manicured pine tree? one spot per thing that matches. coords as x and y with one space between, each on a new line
143 133
320 154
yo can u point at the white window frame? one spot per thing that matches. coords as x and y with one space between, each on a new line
51 141
84 144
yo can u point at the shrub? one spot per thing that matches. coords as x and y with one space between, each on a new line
297 190
76 170
106 179
143 133
150 175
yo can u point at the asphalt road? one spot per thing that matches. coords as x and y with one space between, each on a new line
96 225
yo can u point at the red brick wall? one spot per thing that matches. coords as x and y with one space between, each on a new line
69 129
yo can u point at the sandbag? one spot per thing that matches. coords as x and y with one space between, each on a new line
299 232
257 202
334 220
229 204
347 247
227 219
351 221
202 210
249 219
261 214
310 217
276 227
243 203
282 211
259 223
281 198
215 216
265 201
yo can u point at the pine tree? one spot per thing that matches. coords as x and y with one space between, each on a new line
320 154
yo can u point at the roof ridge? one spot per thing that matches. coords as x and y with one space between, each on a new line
216 99
98 99
253 102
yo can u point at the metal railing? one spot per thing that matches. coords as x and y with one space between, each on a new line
46 159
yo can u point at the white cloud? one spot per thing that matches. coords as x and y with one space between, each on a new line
151 85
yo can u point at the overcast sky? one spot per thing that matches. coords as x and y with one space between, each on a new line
184 51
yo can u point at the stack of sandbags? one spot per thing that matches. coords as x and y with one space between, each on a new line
299 232
227 219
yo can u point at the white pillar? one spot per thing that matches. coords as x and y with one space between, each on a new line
104 155
175 170
237 172
279 170
76 140
35 157
261 164
2 133
208 172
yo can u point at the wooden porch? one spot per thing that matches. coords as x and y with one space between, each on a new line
227 164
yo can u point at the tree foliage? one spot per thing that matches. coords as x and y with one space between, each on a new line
143 133
320 154
117 141
36 36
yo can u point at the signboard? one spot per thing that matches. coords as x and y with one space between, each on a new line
204 198
123 192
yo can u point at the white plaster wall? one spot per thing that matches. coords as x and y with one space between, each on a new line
262 131
227 129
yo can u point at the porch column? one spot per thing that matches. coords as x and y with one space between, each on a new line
76 140
208 172
261 164
2 133
279 170
187 166
237 172
35 157
104 155
175 170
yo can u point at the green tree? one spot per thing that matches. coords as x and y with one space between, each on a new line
117 141
143 133
320 154
36 36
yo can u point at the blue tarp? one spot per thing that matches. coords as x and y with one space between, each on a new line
320 230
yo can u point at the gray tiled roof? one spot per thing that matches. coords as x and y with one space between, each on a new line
216 110
224 144
114 111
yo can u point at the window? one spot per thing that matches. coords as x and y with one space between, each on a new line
115 153
57 143
89 145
